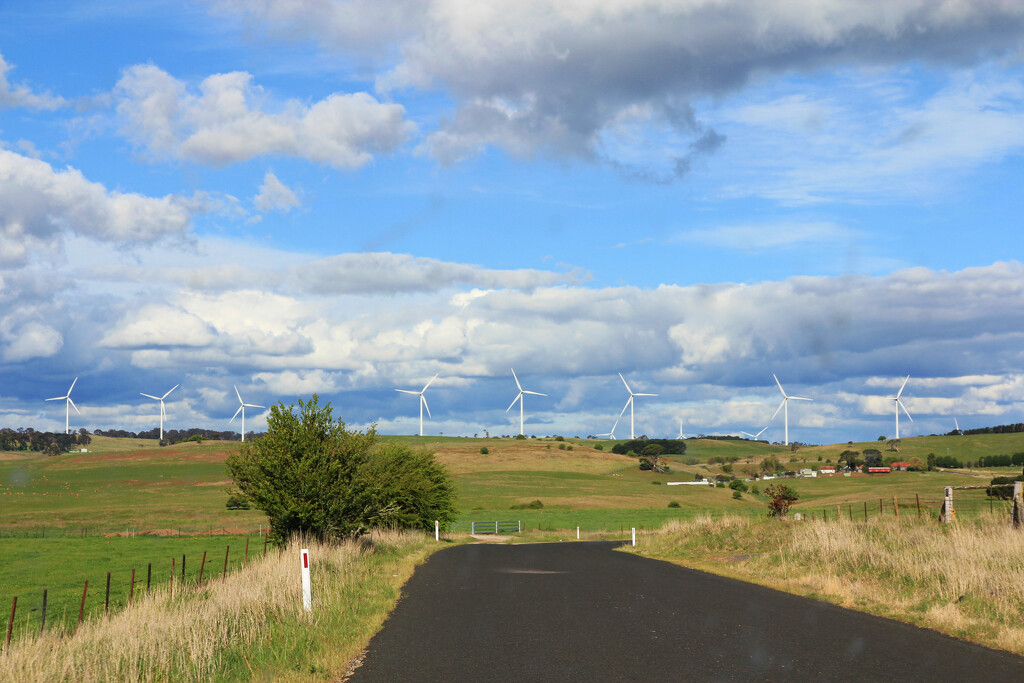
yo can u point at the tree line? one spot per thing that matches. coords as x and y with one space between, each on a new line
51 443
175 435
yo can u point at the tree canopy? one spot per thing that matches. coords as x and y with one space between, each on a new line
310 474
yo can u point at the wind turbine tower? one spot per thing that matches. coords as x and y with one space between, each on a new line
681 435
519 397
785 404
241 409
163 413
629 404
423 400
67 407
897 404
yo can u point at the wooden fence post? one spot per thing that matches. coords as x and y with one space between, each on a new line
895 506
839 513
131 589
10 624
201 566
1018 505
918 505
947 507
865 511
149 576
224 574
183 570
42 626
106 601
81 608
245 560
172 577
881 507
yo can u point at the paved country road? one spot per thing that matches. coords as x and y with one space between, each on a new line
583 612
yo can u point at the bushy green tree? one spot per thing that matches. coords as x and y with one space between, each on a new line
310 474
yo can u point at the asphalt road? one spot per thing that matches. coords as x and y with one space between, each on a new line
582 612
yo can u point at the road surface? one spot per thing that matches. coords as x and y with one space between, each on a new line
583 612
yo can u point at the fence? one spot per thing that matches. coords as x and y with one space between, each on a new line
508 527
64 606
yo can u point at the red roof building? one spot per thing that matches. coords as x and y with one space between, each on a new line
879 470
902 466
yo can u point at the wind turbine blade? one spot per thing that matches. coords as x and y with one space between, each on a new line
623 412
518 385
72 386
236 413
252 405
748 434
957 424
407 391
779 385
799 398
760 433
627 385
426 405
169 392
518 396
900 404
777 410
898 393
238 394
428 383
645 394
155 398
55 398
74 406
535 393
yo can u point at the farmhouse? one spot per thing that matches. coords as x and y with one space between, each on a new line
900 466
828 469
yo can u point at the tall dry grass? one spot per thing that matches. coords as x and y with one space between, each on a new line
201 634
965 579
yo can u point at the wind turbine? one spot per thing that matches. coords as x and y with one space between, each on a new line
681 435
241 409
67 408
755 437
629 404
519 397
785 404
611 434
423 400
958 430
899 404
163 413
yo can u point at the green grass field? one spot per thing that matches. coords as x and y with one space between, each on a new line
56 512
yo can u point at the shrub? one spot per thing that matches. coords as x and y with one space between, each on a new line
311 475
737 495
674 504
521 437
568 448
484 450
532 505
782 497
559 438
237 502
656 483
598 447
754 490
737 485
646 464
561 446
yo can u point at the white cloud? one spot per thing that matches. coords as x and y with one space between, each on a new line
275 195
21 95
39 206
160 327
226 122
32 340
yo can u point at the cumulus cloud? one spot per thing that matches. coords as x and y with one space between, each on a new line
40 205
226 122
12 95
554 77
32 340
160 326
275 195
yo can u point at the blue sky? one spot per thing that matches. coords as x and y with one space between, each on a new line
349 197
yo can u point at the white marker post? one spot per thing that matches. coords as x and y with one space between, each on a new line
307 591
634 536
577 533
437 530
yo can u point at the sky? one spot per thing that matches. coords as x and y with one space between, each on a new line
347 198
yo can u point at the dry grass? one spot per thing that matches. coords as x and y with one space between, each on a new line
251 625
966 579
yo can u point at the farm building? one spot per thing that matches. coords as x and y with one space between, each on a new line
828 469
900 466
879 470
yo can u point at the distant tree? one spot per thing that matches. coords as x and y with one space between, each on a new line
931 462
881 438
916 465
781 498
770 465
893 444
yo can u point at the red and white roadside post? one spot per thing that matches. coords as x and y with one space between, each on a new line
307 591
